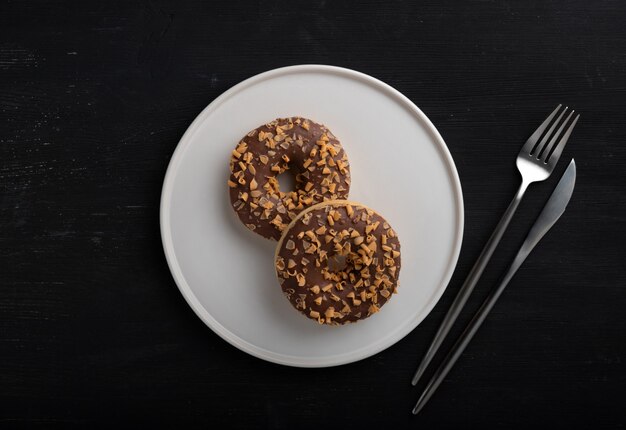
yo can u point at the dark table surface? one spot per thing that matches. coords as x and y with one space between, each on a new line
94 97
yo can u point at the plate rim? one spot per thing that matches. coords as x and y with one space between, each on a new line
187 292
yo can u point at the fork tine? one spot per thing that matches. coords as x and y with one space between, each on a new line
547 148
534 138
546 137
556 154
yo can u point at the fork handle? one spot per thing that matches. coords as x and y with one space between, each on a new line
470 282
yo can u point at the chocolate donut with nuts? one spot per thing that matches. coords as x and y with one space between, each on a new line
338 262
298 145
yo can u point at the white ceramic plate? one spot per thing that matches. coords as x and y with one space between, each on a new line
400 167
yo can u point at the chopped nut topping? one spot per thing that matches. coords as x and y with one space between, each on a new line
301 279
242 147
280 263
277 220
321 230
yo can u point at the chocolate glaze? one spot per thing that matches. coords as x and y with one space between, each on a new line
342 270
299 145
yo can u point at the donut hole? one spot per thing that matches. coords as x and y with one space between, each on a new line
286 181
337 263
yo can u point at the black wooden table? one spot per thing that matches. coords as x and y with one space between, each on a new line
94 97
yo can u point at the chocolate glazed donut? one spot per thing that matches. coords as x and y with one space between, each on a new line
299 145
338 262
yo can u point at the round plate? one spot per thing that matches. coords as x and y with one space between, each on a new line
400 167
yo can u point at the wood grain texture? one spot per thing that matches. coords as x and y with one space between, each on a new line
94 97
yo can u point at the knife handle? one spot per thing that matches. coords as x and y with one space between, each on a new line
468 334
